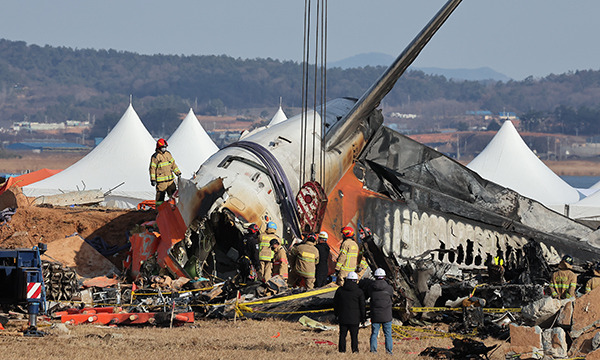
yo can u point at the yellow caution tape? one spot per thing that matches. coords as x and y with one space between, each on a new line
133 293
430 309
475 288
239 308
285 312
501 310
438 309
292 297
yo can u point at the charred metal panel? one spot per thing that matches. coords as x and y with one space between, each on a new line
426 184
406 234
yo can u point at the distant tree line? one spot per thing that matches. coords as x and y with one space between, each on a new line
56 83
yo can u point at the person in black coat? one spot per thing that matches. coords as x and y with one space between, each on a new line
381 294
349 309
323 264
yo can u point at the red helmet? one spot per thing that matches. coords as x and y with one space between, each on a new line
253 229
347 232
312 237
161 142
365 232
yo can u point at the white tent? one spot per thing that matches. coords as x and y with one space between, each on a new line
509 162
278 117
587 208
119 163
190 145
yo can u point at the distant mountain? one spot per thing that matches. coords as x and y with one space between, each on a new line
480 74
362 60
379 59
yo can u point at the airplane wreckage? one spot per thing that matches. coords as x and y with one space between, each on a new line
423 208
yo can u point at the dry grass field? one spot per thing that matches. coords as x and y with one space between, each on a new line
208 339
29 161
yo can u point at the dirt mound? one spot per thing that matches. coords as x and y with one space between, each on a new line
33 224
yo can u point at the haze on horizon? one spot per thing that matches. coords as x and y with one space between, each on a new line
514 37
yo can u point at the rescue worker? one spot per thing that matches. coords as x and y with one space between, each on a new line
365 235
595 281
381 294
496 270
347 259
564 281
248 260
163 171
265 254
280 260
349 309
322 271
305 258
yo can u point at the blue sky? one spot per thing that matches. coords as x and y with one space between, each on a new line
515 37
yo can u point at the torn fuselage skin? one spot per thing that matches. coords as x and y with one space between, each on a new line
256 180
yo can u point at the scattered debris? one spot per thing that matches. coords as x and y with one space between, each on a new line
84 197
306 321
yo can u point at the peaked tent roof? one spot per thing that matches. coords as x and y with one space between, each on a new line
119 162
509 162
190 145
278 117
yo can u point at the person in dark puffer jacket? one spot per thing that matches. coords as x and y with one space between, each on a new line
349 309
381 294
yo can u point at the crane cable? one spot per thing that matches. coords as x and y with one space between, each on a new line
319 88
304 107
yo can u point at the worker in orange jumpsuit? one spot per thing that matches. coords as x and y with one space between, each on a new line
348 256
163 171
564 281
265 254
305 258
280 260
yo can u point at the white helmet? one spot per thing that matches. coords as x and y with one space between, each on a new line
323 235
379 272
352 276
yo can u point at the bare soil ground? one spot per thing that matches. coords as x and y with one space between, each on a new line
31 225
208 339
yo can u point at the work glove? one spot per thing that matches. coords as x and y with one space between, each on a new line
153 182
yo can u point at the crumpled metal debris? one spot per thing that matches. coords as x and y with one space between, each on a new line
6 215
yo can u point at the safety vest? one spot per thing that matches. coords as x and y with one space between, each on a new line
162 167
592 284
498 261
563 284
280 263
307 257
348 257
265 253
